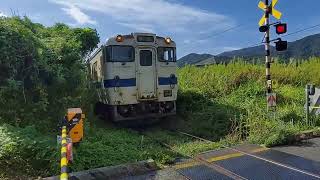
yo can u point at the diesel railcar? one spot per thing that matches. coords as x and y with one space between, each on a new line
135 76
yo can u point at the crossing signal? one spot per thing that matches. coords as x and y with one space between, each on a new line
264 28
281 45
281 28
265 7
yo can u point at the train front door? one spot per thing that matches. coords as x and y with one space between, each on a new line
146 74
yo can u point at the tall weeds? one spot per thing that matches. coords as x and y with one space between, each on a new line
220 100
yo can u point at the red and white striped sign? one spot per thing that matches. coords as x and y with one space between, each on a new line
272 99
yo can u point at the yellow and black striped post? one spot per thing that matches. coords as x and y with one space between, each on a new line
64 160
267 48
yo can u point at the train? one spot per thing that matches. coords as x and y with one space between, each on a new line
135 77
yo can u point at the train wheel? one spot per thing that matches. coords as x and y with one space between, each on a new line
98 108
108 113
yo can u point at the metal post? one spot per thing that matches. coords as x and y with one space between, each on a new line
267 48
64 160
307 103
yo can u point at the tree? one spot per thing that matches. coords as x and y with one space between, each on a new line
41 69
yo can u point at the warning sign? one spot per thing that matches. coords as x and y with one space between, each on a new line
272 99
275 13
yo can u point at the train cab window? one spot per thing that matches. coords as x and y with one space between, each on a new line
146 58
166 54
94 72
119 54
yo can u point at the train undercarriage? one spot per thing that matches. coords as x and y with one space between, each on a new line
142 110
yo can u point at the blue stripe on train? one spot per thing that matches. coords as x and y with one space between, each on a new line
167 80
109 83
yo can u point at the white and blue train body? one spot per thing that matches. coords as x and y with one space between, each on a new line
135 76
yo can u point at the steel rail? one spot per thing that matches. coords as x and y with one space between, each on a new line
255 156
215 167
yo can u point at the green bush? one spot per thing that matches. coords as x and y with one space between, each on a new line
26 152
42 71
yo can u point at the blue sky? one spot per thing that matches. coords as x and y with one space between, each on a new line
194 24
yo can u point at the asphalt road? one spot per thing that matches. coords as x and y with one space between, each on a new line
309 149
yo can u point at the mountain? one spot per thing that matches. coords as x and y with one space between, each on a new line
304 48
193 58
245 52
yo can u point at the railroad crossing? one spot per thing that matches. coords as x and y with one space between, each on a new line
240 162
246 161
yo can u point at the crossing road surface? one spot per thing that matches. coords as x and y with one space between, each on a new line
296 162
247 162
309 149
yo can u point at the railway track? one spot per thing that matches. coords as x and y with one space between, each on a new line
230 174
258 157
197 159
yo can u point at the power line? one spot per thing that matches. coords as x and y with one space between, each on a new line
260 43
218 33
302 30
292 33
224 31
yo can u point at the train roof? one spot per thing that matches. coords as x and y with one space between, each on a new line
131 40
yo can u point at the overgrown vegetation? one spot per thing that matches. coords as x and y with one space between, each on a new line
221 100
42 73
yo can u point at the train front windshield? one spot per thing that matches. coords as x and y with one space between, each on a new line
119 54
126 54
167 54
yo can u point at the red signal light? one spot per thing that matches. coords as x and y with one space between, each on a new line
281 28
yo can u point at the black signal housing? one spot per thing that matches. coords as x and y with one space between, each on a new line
281 45
281 28
264 28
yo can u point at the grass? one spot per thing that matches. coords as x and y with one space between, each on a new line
113 146
223 103
220 100
25 152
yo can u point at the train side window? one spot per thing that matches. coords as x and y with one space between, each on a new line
146 58
167 54
95 72
108 53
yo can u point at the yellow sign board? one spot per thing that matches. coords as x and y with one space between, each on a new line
262 21
262 6
275 13
274 2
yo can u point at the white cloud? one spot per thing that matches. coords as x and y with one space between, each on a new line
138 27
76 13
3 15
149 15
228 48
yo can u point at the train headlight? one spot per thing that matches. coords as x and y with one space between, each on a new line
119 38
167 40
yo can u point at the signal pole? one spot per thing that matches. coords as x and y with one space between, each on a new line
268 7
267 48
268 53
